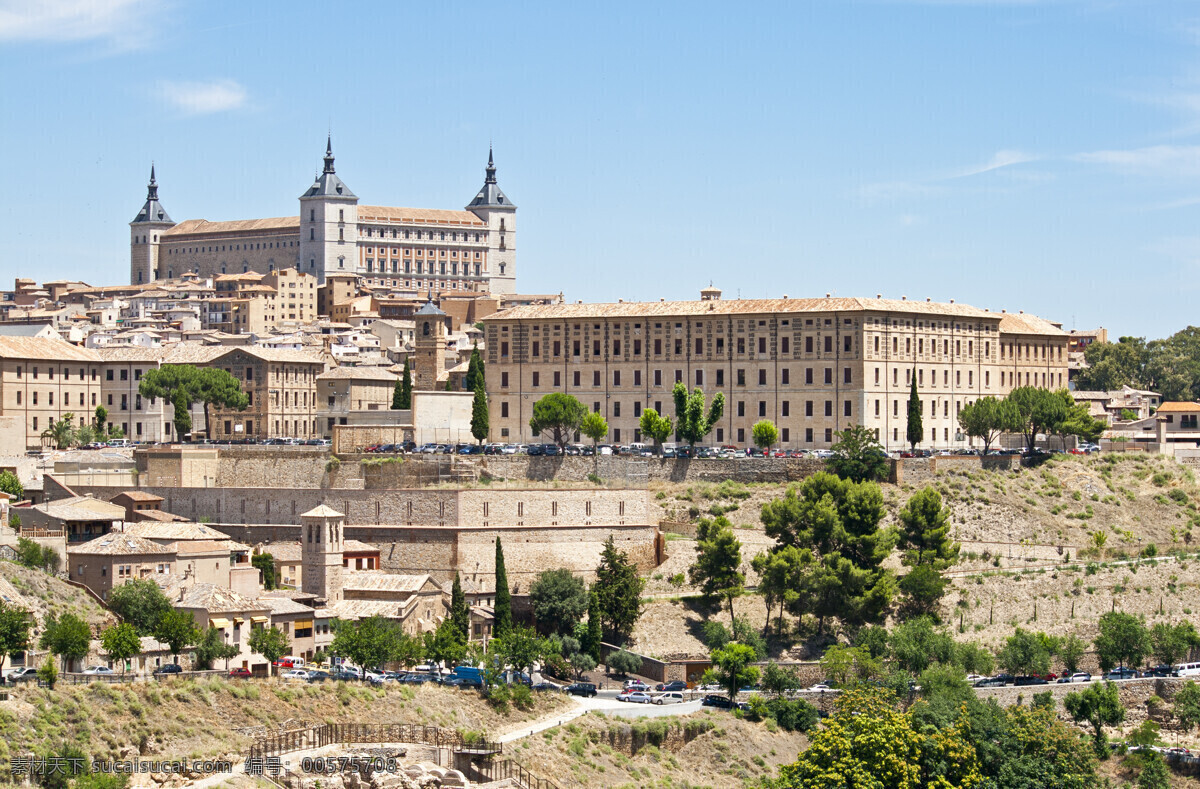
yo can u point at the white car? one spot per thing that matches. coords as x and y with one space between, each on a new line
638 697
1081 676
97 670
670 697
296 673
636 684
973 678
819 687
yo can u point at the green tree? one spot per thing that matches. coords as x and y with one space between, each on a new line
1070 651
460 613
765 434
1172 643
857 455
479 412
140 602
520 648
10 484
101 420
925 531
184 385
593 636
846 664
1123 640
121 642
84 435
987 418
211 647
61 432
692 424
29 553
655 427
923 588
595 427
1024 653
1187 705
502 611
15 624
475 376
444 645
177 629
916 430
48 673
1154 773
271 643
780 573
1097 705
559 601
618 589
265 564
778 680
624 662
559 414
369 642
1038 411
731 664
66 636
717 569
917 644
402 391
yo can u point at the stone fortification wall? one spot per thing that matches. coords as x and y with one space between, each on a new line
472 551
919 471
618 468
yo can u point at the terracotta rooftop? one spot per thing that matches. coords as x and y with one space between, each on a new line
139 495
200 227
43 348
367 213
216 599
291 551
82 508
119 544
358 374
1024 323
383 582
174 532
1177 407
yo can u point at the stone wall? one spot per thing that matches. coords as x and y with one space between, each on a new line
472 551
618 468
920 471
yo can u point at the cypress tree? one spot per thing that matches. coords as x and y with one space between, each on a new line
397 394
503 609
460 615
403 397
474 369
479 413
916 430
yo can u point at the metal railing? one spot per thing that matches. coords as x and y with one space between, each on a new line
508 769
338 733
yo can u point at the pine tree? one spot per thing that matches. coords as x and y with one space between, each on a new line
460 615
479 413
503 609
619 590
915 429
402 397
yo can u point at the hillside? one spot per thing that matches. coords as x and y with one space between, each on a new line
1028 552
218 717
43 594
706 749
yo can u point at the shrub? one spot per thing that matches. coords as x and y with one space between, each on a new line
522 697
796 715
676 580
595 479
715 635
499 696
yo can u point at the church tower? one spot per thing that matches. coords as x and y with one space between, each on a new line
431 346
321 546
500 214
328 224
144 232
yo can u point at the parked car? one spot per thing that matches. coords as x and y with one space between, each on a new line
344 675
317 675
25 674
584 689
720 702
240 673
669 686
638 697
544 686
1021 681
1160 671
1121 672
1081 676
636 684
670 697
97 670
820 686
169 668
295 673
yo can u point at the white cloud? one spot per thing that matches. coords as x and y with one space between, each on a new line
203 98
1154 160
999 159
121 22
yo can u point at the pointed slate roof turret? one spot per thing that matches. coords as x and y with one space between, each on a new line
152 211
490 195
429 308
328 184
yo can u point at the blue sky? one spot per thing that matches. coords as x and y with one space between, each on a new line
1035 155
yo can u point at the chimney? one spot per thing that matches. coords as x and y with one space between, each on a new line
903 298
952 301
826 295
879 295
927 299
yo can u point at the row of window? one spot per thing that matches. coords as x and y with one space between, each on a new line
259 245
380 232
421 269
383 252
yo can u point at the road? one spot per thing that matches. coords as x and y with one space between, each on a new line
606 702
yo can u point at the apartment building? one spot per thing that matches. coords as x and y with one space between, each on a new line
42 380
141 418
342 391
811 366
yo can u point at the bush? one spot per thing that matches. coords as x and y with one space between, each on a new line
499 696
796 715
625 662
48 673
757 708
522 696
595 479
715 635
745 633
676 580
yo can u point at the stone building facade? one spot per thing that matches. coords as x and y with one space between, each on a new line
811 366
42 380
473 250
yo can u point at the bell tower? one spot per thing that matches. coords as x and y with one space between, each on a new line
431 346
321 546
328 224
494 208
144 232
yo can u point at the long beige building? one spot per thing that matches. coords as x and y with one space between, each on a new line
811 366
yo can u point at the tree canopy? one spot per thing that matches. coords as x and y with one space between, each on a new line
655 427
857 455
559 601
558 414
140 602
184 385
1097 705
692 423
479 412
1123 640
915 431
502 611
270 642
594 426
618 590
717 569
67 636
120 643
987 418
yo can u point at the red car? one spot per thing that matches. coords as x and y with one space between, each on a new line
240 673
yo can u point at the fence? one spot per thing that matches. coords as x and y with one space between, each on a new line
336 733
507 770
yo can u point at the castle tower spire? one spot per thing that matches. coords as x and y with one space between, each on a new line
329 154
491 168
